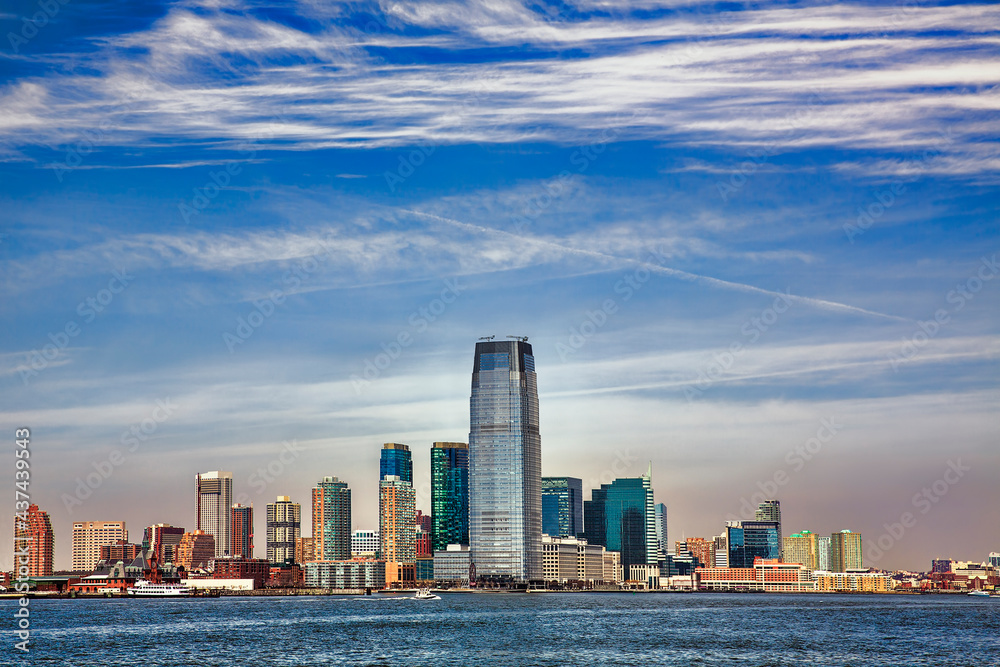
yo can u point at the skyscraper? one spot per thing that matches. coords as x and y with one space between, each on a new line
505 467
215 498
801 548
562 506
90 536
284 526
749 540
396 460
33 537
449 494
242 529
770 510
630 520
397 520
661 528
331 520
823 553
594 523
845 551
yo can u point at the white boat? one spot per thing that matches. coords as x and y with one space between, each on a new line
425 594
980 594
147 589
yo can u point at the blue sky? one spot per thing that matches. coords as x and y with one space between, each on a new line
719 224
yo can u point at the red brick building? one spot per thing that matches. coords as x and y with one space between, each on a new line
258 569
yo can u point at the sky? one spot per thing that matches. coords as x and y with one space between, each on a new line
752 244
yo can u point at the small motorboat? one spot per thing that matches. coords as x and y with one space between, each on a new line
979 594
425 594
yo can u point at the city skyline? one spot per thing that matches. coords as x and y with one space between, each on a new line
754 244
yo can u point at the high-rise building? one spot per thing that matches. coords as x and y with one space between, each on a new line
33 537
396 460
284 526
163 540
365 544
770 510
449 494
215 498
823 553
241 525
331 531
749 540
701 549
994 559
196 550
562 506
505 466
629 514
661 528
845 551
801 548
721 543
424 525
397 525
305 550
941 565
90 536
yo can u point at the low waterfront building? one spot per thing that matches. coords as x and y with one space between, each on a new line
213 584
612 567
452 564
768 575
424 568
344 574
862 582
643 576
566 559
258 569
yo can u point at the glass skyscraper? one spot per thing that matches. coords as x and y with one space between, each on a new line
562 506
396 460
449 494
770 510
749 540
215 498
630 521
661 528
505 472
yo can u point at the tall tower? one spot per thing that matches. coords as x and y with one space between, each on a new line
845 551
215 498
33 537
397 520
661 528
284 526
331 520
449 494
395 460
630 520
770 510
505 472
90 536
242 529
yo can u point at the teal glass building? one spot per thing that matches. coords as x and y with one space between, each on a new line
396 460
449 494
621 516
749 540
562 506
505 479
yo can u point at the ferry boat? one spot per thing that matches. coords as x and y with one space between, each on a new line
980 594
147 589
425 594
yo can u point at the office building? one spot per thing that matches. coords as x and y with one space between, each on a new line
120 551
449 494
305 550
770 510
572 559
451 564
700 549
845 551
241 526
562 506
721 543
994 559
215 498
629 520
396 460
89 537
345 574
661 528
33 537
801 548
365 544
163 540
331 516
397 520
284 526
239 567
196 550
505 471
750 540
941 565
823 553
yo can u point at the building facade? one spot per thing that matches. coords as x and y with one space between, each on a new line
305 550
241 524
120 551
750 540
90 536
196 550
163 539
33 537
661 528
823 553
770 510
331 529
801 548
562 506
397 460
629 520
451 564
449 494
214 500
572 559
284 526
397 520
345 574
505 471
845 551
366 544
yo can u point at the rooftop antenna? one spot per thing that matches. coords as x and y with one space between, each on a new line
487 337
523 339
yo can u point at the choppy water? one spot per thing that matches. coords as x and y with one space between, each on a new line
516 629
